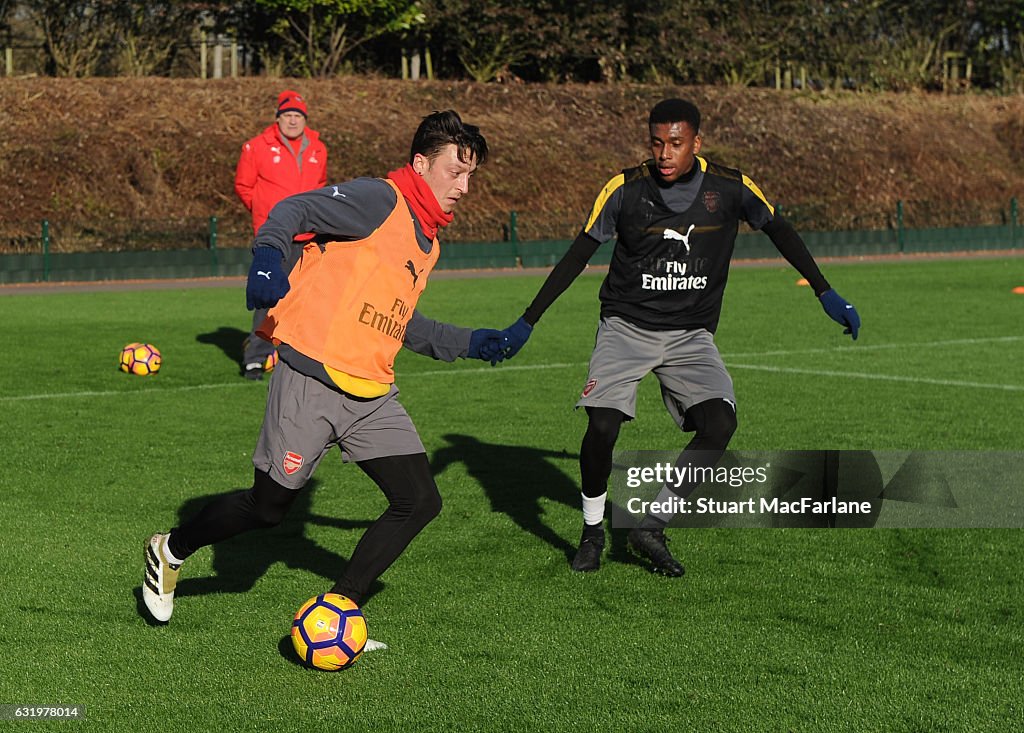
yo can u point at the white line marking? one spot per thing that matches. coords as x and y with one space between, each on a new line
852 348
117 392
191 387
880 377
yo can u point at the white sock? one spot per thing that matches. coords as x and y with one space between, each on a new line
166 552
593 508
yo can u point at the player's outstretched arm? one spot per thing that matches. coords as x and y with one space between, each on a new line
841 312
792 247
447 342
268 282
558 280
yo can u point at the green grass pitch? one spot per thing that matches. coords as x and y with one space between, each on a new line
770 630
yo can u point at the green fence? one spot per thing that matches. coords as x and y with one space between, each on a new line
89 266
212 261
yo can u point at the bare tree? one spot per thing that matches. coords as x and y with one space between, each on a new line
74 33
320 34
148 35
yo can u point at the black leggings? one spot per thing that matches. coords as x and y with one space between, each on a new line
714 422
596 451
413 500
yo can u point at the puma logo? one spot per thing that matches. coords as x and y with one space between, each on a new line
412 270
338 193
264 274
684 238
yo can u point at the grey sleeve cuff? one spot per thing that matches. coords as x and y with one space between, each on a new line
435 339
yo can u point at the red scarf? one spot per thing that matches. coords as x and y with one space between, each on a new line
421 199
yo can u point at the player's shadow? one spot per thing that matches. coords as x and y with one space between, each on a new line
228 340
515 479
241 561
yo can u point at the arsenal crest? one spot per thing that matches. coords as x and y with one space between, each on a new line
712 200
292 462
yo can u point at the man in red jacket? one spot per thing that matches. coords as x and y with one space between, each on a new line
285 159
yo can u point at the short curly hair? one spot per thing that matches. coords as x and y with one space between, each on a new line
440 129
675 110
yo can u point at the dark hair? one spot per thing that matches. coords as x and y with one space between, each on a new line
439 129
675 110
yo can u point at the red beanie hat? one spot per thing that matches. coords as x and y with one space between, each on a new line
289 101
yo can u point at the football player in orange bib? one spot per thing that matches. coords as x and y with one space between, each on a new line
338 320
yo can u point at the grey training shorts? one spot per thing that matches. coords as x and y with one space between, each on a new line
305 417
686 362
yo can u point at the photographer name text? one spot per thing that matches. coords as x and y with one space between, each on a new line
774 505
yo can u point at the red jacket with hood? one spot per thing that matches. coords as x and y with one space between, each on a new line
269 170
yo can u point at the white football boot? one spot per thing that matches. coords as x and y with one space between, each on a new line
160 579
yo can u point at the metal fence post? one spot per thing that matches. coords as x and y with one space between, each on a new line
513 234
899 226
1013 223
46 250
213 245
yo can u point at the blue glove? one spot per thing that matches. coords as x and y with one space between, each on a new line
268 282
486 344
841 312
516 336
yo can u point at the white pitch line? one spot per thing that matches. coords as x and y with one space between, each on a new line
191 387
853 349
880 377
117 392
